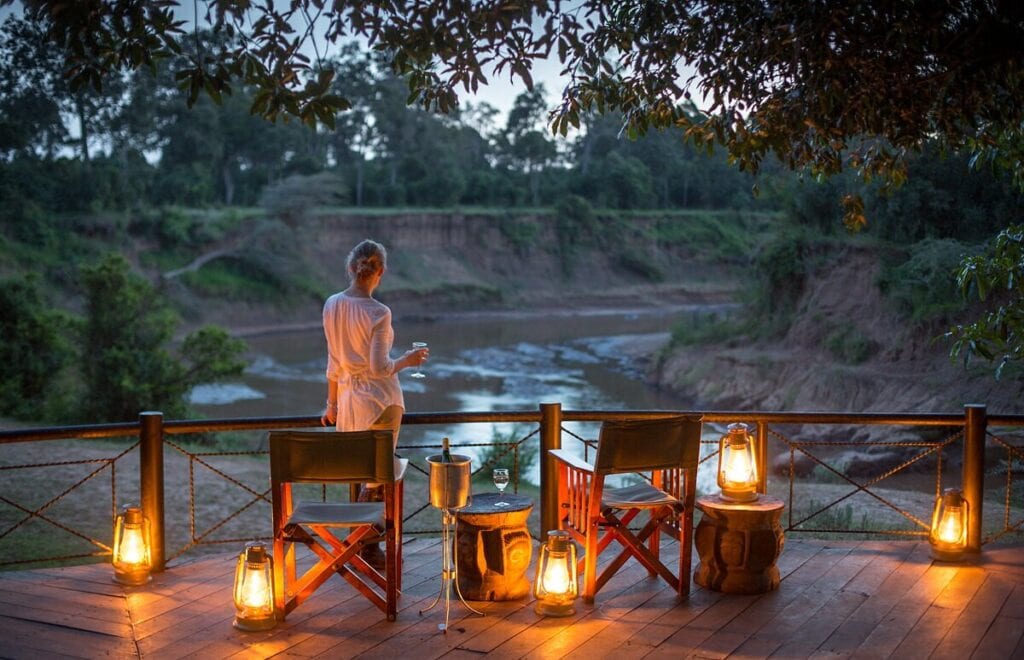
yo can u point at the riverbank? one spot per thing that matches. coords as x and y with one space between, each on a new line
898 366
570 314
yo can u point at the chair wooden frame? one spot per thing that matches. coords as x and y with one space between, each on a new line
331 457
667 451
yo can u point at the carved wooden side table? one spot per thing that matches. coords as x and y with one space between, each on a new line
738 544
494 547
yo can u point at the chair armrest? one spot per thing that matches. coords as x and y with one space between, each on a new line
400 465
571 460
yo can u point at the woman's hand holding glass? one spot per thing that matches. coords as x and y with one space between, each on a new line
418 355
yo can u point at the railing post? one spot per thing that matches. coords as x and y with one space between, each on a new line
762 457
151 480
973 476
550 438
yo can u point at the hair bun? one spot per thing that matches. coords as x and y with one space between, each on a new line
367 259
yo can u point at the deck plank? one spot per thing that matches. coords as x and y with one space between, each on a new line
1001 640
935 622
966 632
850 632
48 638
536 631
889 633
872 599
343 632
778 614
317 631
670 615
605 622
74 620
64 601
220 639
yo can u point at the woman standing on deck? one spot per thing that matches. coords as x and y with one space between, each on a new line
363 391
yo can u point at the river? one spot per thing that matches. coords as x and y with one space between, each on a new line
484 362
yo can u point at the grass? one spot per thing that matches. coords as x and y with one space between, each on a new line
699 329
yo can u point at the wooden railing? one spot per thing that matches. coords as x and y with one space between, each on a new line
152 430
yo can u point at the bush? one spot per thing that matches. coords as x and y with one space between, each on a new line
713 236
500 454
127 364
850 346
636 260
574 225
521 233
923 286
700 329
780 272
32 350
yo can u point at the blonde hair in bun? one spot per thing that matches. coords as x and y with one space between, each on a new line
366 259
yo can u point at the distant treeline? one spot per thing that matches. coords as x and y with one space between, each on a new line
138 145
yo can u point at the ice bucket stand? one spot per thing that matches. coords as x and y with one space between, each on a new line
449 491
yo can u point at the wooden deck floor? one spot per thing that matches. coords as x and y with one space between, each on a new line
837 599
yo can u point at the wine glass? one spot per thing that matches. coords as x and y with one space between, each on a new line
418 372
500 477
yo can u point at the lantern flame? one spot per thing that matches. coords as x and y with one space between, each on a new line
133 546
556 577
738 469
256 590
950 527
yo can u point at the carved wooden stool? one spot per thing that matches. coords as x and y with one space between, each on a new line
738 543
494 547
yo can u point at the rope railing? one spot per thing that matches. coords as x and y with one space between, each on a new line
971 429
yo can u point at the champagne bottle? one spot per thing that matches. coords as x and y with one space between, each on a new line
446 454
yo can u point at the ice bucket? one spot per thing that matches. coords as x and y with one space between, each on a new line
449 482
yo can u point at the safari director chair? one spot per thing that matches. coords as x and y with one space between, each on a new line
330 457
665 453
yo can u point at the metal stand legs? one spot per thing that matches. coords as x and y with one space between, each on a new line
449 571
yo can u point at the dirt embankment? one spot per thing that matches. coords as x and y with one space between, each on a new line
906 369
452 262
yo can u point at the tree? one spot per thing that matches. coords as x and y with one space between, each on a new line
30 121
33 350
821 85
127 365
354 136
35 95
525 143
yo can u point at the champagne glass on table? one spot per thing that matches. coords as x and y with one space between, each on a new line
418 372
500 477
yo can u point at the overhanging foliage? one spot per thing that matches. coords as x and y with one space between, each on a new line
823 86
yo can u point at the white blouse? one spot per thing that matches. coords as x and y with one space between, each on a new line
359 338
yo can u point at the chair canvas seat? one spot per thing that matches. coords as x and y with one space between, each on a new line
637 496
664 450
338 515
